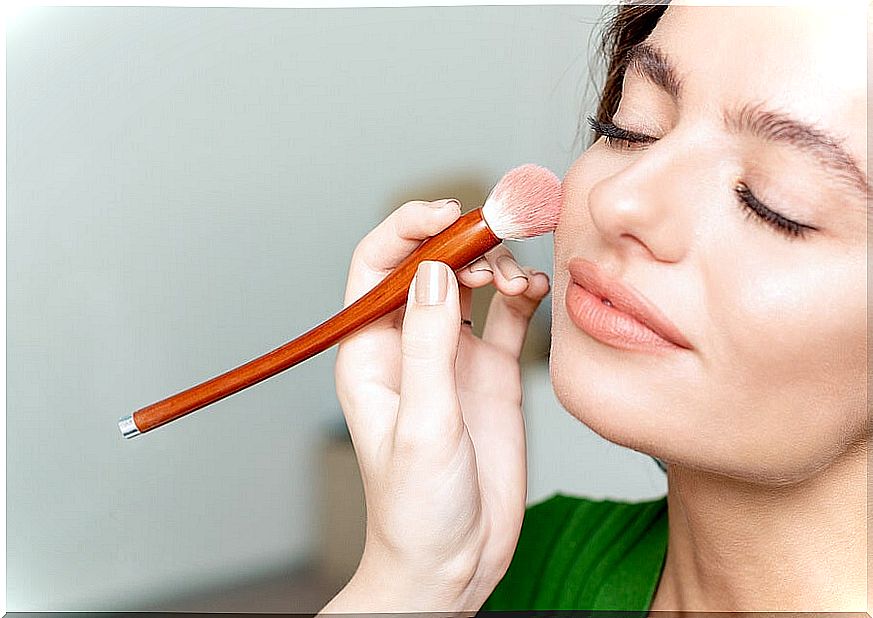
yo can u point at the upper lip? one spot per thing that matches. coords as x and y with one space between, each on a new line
624 298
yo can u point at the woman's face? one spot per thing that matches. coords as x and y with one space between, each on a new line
773 385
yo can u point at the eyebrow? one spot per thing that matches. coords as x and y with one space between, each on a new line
650 63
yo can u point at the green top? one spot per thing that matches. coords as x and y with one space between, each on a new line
574 553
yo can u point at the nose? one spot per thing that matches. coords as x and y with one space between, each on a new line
647 207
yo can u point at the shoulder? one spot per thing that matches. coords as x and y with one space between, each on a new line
577 553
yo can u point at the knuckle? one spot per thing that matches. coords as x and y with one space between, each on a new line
412 205
357 397
360 247
362 252
392 224
345 379
399 225
356 253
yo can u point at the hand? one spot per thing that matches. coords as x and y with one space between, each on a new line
435 417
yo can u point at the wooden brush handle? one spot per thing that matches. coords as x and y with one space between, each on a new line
465 240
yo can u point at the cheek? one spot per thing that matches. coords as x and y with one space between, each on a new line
787 348
798 314
575 229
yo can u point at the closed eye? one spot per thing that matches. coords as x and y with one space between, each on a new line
618 137
624 139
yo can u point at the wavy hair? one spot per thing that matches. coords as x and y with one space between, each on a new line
628 25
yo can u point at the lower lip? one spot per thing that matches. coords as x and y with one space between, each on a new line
609 325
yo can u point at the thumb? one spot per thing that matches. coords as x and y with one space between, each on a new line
429 410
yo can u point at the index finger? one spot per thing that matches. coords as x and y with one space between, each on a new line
390 242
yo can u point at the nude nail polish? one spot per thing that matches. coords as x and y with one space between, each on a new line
431 283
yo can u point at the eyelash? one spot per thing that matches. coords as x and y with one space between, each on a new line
622 139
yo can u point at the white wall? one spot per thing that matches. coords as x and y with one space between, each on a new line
185 188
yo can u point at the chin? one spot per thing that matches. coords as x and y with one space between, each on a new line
637 400
614 395
625 399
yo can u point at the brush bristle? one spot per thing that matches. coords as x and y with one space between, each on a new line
525 203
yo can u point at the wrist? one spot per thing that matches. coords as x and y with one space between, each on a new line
381 586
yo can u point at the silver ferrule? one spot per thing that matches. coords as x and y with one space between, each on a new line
127 427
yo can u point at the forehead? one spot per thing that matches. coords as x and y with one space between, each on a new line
807 61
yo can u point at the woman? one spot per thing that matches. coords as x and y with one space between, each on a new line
726 194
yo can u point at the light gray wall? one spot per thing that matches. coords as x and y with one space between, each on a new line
185 188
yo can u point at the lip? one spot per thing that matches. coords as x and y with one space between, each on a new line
632 322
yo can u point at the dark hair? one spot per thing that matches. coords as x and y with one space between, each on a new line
629 25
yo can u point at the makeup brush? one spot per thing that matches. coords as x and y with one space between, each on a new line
525 203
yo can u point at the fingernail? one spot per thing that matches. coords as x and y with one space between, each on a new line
509 269
534 273
431 283
480 265
444 203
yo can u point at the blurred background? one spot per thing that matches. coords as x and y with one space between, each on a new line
185 187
